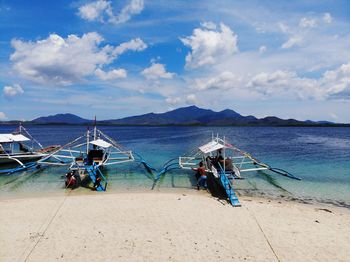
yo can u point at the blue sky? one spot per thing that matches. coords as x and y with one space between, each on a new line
120 58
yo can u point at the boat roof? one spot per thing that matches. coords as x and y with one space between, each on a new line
211 146
101 143
10 138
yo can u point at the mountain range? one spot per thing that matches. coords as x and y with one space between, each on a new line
191 115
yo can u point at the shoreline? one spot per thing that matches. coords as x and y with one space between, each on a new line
81 191
170 226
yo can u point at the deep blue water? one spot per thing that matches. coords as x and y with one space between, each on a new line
321 156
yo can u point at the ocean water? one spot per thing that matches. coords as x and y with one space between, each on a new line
320 156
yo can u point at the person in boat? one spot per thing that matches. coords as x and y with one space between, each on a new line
228 164
201 176
216 160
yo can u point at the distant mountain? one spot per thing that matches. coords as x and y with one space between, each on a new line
191 115
181 116
61 119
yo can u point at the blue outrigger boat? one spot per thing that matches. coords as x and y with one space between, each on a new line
20 151
86 155
223 162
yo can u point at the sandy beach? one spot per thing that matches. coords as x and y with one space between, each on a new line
170 226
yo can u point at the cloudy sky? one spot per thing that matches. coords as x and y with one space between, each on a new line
119 58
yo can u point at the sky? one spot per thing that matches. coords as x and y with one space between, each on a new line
115 59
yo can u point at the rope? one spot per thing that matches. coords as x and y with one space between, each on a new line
50 222
262 231
283 173
30 136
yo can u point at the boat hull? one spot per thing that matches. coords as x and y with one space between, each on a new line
5 160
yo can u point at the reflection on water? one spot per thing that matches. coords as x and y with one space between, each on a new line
321 156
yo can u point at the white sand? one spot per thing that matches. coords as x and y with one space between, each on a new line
169 226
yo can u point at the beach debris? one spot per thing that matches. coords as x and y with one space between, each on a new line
325 209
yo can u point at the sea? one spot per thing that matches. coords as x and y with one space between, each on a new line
318 155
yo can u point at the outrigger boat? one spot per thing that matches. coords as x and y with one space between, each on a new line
86 155
224 162
19 151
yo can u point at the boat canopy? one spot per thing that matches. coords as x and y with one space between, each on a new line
10 138
100 143
211 146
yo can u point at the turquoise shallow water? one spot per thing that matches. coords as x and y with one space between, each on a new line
321 156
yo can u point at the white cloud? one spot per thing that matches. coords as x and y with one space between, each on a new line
209 25
102 11
191 99
173 101
272 83
327 18
110 75
307 22
133 8
283 27
262 49
95 10
223 81
156 71
306 32
281 84
208 45
337 81
292 41
12 91
133 45
64 61
2 116
286 83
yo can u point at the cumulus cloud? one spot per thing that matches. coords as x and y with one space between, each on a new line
329 86
209 45
327 18
95 10
12 91
64 61
225 80
337 81
273 83
110 75
156 71
133 8
102 11
190 99
333 84
307 22
133 45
